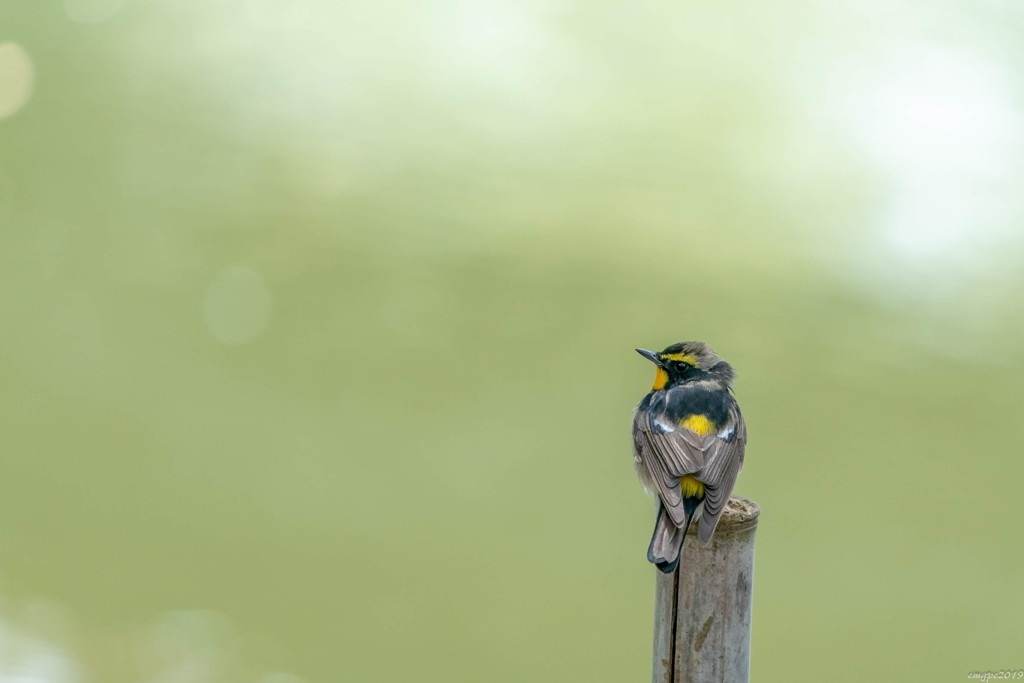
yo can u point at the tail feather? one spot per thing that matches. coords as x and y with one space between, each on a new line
667 539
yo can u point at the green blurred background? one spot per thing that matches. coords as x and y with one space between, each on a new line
317 325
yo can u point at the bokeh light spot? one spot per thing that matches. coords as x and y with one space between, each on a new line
238 305
17 76
27 658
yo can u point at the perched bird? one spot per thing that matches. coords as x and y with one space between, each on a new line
688 443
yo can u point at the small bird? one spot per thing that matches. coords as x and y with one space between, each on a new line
688 444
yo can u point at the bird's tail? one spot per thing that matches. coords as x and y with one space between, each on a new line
667 539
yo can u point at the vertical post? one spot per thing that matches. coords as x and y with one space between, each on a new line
702 610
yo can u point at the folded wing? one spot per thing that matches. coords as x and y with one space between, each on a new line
724 460
668 452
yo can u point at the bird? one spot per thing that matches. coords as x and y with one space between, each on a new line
689 439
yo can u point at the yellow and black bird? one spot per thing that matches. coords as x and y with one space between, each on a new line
688 444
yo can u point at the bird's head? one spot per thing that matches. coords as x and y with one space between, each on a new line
688 363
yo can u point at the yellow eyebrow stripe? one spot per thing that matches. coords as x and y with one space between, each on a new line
682 357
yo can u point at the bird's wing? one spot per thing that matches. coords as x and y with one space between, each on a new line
723 463
667 452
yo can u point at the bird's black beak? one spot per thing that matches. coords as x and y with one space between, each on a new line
651 356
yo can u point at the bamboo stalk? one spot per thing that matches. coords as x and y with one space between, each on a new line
702 611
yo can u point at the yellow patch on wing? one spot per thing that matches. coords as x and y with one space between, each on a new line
684 357
690 487
660 379
698 424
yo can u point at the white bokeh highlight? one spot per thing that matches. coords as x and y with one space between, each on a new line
238 306
940 129
17 78
27 658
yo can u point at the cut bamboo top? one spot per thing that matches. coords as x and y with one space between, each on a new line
740 515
